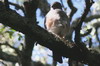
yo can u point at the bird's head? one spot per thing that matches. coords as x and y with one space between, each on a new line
56 5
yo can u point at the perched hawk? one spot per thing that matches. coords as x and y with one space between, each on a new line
56 22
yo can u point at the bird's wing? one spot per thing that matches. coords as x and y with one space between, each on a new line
64 17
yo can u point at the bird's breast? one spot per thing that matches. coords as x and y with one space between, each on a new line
56 24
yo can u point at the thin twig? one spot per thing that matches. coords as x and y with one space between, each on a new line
90 42
87 33
17 50
17 6
73 9
78 27
62 4
97 36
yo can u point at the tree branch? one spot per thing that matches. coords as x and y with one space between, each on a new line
17 6
97 35
62 3
91 18
30 9
78 27
8 57
16 50
87 19
6 4
44 7
15 21
90 42
73 9
87 33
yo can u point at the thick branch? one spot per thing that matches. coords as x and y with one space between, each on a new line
46 39
30 9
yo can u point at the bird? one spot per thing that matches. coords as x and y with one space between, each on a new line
57 23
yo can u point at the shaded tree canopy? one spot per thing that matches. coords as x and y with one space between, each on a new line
28 25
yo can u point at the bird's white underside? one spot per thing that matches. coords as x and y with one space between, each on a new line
58 26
